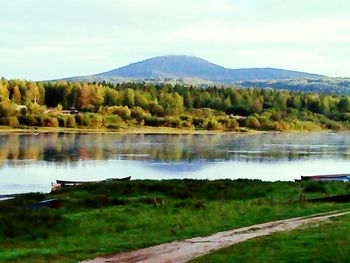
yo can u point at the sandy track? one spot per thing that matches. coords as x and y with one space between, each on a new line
183 251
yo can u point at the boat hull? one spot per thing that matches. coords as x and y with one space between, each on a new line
72 183
327 178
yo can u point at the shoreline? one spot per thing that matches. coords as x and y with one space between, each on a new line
131 130
147 130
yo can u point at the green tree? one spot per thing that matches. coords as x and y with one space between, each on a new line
4 93
16 96
344 104
129 98
84 100
111 97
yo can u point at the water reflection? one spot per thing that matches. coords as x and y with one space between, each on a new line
71 148
29 162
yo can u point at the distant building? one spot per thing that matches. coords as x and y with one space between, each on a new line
21 107
237 117
70 110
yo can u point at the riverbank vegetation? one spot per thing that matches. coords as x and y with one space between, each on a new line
82 105
110 217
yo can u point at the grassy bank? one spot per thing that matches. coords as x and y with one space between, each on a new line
117 216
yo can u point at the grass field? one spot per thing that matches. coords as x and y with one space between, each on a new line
321 243
117 216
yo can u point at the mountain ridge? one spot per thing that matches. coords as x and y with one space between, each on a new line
190 67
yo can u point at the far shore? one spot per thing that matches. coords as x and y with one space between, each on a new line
142 130
129 130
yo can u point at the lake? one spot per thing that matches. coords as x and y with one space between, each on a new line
30 162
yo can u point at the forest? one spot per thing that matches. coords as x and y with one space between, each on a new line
326 85
103 105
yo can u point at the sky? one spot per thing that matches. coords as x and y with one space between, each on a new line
49 39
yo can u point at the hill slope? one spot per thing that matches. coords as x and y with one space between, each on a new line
187 67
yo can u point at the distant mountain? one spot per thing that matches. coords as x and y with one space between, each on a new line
187 68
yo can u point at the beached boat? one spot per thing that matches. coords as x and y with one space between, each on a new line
328 177
52 203
71 183
7 197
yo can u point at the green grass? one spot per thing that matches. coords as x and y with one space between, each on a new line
117 216
324 243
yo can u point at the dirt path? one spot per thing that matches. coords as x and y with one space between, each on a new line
183 251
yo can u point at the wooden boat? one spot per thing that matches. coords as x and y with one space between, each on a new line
334 199
71 183
7 197
329 177
52 203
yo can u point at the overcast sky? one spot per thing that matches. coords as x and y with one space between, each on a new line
47 39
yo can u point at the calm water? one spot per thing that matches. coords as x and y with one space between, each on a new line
30 162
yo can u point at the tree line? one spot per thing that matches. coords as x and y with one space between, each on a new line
28 103
339 86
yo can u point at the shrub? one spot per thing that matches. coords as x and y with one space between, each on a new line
36 108
61 121
96 120
199 122
82 119
213 124
228 123
3 121
139 114
314 187
9 121
265 122
186 118
29 120
12 122
70 122
39 120
154 121
173 122
252 122
7 109
278 126
186 124
51 122
157 109
232 124
123 111
114 122
332 125
90 108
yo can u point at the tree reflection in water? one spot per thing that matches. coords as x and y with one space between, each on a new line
63 148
